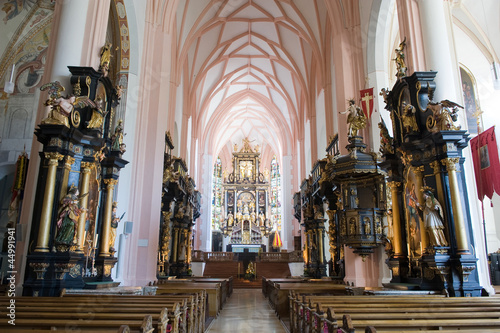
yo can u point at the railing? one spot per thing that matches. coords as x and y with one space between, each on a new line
295 256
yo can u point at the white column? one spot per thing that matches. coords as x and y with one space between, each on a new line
439 47
286 203
204 223
68 40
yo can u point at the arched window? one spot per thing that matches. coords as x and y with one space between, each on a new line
275 194
217 214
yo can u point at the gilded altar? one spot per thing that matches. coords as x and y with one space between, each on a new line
246 198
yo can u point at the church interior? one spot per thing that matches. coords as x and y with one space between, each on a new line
188 158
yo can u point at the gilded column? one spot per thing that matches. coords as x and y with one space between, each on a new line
320 245
423 232
42 244
106 223
456 205
85 168
439 183
396 219
66 169
176 241
188 259
306 248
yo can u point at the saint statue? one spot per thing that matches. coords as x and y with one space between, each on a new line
433 219
67 224
114 224
117 138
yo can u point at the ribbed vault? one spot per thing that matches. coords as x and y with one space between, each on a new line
249 68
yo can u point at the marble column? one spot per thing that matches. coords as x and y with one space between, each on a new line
396 220
424 238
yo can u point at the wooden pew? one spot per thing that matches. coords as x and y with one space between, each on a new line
394 313
212 289
278 295
94 313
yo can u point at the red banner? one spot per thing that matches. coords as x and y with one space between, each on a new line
367 101
486 164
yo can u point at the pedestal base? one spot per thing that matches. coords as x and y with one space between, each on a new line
49 273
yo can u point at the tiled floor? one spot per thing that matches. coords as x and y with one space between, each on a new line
247 310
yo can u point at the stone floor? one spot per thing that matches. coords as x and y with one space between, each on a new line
247 311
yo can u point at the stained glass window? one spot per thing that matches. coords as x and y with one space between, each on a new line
275 200
217 214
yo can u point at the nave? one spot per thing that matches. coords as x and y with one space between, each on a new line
247 311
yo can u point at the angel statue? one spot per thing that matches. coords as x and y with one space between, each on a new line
433 219
61 108
444 114
67 223
355 118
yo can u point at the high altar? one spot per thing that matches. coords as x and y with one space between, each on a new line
246 201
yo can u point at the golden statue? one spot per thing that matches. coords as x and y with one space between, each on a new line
355 118
400 59
105 58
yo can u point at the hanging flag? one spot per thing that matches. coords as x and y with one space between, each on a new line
367 101
486 163
277 240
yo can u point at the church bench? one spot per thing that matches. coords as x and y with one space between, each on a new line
309 312
279 292
106 312
144 325
192 318
213 292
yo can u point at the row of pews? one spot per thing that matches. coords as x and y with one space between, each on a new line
167 306
312 309
180 313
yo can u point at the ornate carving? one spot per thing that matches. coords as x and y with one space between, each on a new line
40 268
450 163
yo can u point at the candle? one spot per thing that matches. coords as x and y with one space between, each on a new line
12 73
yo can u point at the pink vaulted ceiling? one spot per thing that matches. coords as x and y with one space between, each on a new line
247 68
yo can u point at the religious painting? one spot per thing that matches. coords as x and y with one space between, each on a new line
246 169
262 198
468 92
412 215
484 157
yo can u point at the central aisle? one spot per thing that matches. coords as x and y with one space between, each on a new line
247 311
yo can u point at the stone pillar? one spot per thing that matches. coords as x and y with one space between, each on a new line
458 218
42 244
85 168
396 220
439 48
106 222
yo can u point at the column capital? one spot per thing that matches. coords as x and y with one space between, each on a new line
435 166
450 163
418 170
69 162
54 157
110 182
394 184
86 166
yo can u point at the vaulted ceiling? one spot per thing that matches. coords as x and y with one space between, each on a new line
248 68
